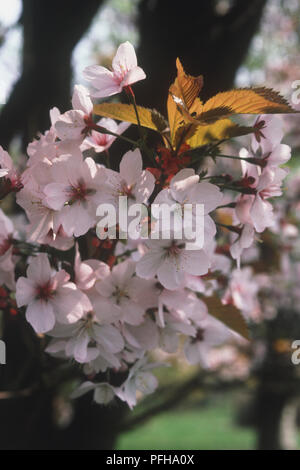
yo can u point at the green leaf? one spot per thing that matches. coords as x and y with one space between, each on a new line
149 118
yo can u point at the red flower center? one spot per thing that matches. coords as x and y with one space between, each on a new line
5 245
45 291
78 192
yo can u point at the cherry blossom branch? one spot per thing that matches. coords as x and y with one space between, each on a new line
254 161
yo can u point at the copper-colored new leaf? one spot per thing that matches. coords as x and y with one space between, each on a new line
243 101
197 135
228 314
183 93
185 86
149 118
174 116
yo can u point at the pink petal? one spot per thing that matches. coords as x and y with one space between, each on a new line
132 313
133 76
105 310
81 99
56 195
144 187
262 214
102 80
76 219
70 303
109 337
125 58
70 125
207 194
41 316
281 154
131 166
123 272
169 273
25 291
194 262
78 347
149 264
39 270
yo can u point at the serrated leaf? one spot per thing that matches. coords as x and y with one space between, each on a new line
174 116
149 118
158 120
183 133
183 92
186 87
243 101
220 130
227 314
196 135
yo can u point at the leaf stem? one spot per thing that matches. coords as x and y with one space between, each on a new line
253 161
131 96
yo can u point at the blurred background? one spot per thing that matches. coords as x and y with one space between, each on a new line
250 397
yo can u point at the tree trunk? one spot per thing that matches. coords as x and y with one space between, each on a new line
277 422
32 404
207 43
30 423
50 32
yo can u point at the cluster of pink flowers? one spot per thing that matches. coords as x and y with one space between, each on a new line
255 211
110 313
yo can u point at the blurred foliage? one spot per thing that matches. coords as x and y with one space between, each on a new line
210 425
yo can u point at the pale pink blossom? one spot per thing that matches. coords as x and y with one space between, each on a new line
183 303
43 148
169 260
72 124
57 239
242 242
242 292
275 157
89 271
86 339
210 333
269 133
185 189
132 181
49 296
8 170
103 392
139 379
123 295
7 262
101 142
74 193
143 337
47 148
125 72
255 209
44 223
